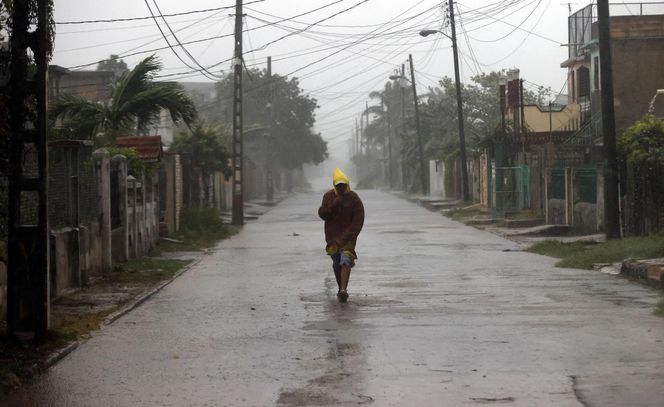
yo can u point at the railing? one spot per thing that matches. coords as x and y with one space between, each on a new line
589 131
580 22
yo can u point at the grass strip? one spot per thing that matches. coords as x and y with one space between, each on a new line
584 254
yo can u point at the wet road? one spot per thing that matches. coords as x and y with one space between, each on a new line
439 315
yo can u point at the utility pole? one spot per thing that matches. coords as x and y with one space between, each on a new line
238 195
403 123
523 122
462 135
366 129
268 172
389 147
28 231
611 208
423 175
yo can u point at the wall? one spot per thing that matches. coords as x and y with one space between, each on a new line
170 194
638 57
119 228
437 178
90 85
565 118
79 251
65 272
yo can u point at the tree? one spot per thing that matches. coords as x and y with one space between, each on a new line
641 150
207 150
136 102
291 116
114 64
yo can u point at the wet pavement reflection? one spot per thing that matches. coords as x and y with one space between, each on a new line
439 314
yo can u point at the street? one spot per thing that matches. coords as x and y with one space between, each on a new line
439 314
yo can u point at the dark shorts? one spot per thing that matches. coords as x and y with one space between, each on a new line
340 259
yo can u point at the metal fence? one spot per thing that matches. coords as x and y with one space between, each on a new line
511 188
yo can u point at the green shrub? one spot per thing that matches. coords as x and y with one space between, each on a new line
201 220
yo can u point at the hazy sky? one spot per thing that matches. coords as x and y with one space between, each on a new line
339 60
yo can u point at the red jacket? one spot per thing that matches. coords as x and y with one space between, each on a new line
344 218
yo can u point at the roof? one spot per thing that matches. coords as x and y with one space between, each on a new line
149 148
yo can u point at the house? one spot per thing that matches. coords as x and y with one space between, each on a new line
90 85
637 57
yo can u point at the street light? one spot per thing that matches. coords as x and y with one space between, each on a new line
423 169
462 137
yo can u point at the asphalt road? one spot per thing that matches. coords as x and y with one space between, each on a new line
439 314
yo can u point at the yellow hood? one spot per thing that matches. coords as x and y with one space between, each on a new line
339 177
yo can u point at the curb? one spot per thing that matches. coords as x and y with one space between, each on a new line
146 295
60 354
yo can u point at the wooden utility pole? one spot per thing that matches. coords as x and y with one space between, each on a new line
611 208
403 123
238 194
462 135
420 150
270 137
389 147
366 130
28 231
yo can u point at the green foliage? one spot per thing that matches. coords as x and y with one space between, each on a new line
202 227
201 220
206 148
293 142
659 310
642 144
135 166
584 254
136 102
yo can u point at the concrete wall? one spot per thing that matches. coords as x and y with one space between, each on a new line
638 57
437 178
91 252
566 118
170 194
65 271
120 233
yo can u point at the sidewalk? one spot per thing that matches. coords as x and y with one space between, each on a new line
77 315
527 232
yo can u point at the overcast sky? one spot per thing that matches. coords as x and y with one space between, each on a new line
339 60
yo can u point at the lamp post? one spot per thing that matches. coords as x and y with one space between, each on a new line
423 169
462 137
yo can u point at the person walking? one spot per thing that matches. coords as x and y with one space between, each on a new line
343 213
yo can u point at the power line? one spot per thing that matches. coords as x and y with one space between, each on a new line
518 28
124 55
116 20
204 71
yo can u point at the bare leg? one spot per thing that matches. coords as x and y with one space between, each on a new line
337 276
345 276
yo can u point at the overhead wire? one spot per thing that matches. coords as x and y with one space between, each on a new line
129 54
202 70
116 20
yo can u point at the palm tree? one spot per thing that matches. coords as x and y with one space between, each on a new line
136 101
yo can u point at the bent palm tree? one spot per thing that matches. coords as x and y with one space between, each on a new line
136 101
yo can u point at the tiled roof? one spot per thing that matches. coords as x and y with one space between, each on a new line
149 148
